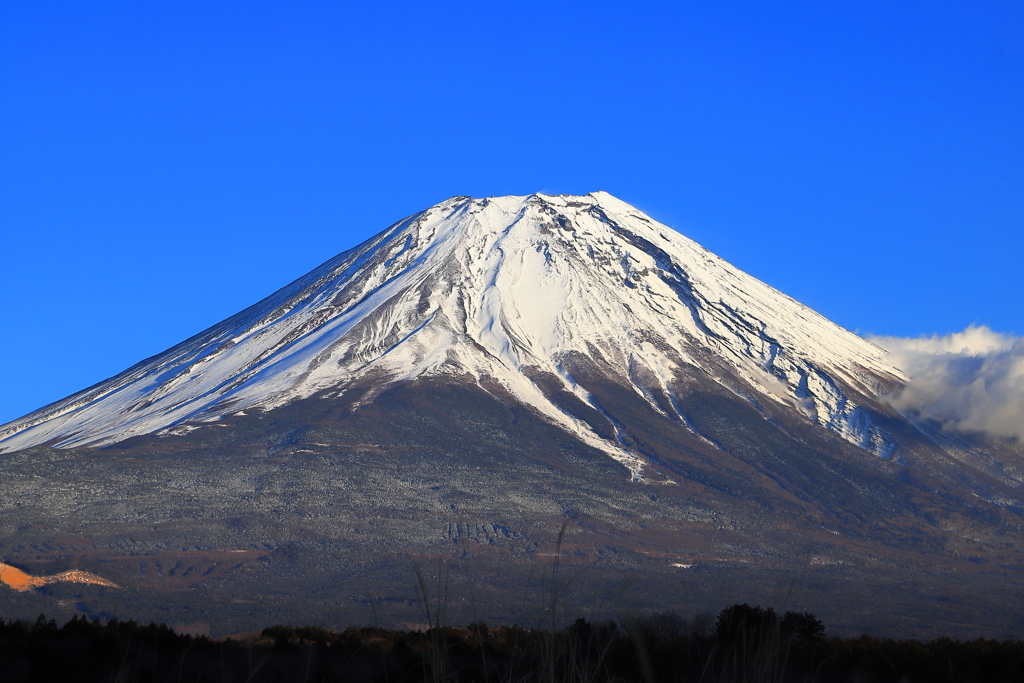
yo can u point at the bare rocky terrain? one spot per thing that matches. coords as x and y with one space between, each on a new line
313 513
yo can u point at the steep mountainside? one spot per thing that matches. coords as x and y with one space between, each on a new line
512 290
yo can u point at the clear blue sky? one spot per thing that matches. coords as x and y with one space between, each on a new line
164 165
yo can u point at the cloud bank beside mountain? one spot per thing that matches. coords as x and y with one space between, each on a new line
971 380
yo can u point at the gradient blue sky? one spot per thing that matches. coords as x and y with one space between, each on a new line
164 165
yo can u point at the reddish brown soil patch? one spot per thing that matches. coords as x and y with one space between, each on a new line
20 581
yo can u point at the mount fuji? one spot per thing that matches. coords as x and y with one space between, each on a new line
514 291
479 374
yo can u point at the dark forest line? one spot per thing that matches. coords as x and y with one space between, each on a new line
741 643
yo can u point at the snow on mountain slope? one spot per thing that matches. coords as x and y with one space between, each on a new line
495 290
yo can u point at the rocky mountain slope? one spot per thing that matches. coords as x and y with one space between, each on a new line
510 290
457 389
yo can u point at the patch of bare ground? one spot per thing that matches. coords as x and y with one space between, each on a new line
20 581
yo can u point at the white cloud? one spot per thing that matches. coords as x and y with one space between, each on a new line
971 380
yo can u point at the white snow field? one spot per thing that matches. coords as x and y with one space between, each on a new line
484 289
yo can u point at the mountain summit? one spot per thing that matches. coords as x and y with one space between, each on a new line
513 292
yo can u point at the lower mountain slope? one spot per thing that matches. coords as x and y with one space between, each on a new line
320 510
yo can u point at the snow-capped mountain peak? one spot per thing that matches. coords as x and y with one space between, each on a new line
499 291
